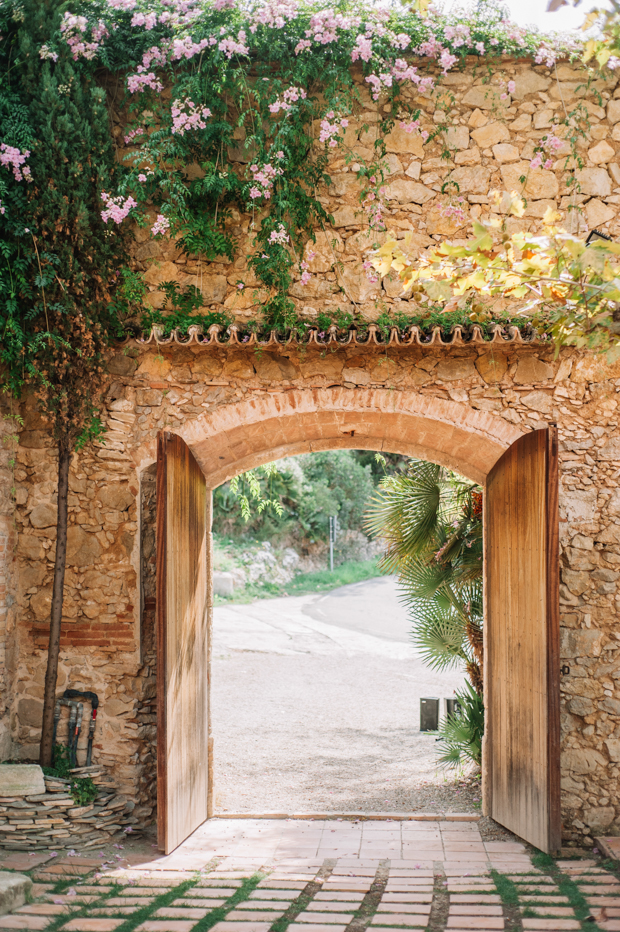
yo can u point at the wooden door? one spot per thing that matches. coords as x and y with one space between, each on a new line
522 666
182 643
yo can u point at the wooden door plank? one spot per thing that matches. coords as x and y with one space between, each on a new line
182 669
161 575
553 639
522 639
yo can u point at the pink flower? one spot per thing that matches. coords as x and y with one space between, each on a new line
279 235
14 158
117 208
232 46
74 29
511 87
413 126
186 116
446 60
161 225
133 133
140 81
288 99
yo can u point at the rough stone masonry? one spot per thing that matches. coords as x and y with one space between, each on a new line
461 404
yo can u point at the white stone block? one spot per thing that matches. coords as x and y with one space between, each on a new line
21 780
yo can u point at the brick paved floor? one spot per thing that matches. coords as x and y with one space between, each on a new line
324 877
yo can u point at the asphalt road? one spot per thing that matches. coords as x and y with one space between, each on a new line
371 607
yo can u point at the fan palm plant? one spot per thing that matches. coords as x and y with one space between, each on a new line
431 523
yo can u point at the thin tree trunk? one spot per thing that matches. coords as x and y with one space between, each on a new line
51 674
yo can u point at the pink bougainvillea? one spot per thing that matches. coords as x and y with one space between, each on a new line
279 235
454 210
548 146
305 266
139 82
230 46
74 29
263 177
287 99
117 208
14 158
161 225
275 14
331 127
186 116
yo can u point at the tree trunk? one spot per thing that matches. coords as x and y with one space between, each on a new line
51 674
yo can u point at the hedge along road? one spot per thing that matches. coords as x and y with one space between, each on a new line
316 707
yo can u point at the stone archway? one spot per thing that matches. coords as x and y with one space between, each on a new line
268 426
238 436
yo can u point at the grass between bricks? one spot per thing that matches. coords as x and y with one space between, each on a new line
509 895
81 909
567 888
208 921
440 905
368 907
300 903
146 912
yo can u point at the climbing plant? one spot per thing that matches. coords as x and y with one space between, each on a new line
57 260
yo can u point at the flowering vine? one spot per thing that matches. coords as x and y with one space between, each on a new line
240 107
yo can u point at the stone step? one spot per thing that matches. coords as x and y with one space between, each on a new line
13 890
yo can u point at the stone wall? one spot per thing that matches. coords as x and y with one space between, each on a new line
490 139
236 406
107 641
8 581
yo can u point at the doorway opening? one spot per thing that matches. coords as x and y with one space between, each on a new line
316 684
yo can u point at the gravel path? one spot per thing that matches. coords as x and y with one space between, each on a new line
316 707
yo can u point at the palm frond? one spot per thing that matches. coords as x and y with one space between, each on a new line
460 735
438 633
405 511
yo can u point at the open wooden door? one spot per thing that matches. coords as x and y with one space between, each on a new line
522 666
182 643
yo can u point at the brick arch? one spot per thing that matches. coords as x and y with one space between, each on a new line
240 436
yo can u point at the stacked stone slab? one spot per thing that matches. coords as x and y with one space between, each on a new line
52 819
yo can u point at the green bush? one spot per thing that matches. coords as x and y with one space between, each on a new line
82 789
308 488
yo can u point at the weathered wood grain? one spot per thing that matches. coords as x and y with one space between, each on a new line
182 643
522 640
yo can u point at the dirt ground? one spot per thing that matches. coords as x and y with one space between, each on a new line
316 708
